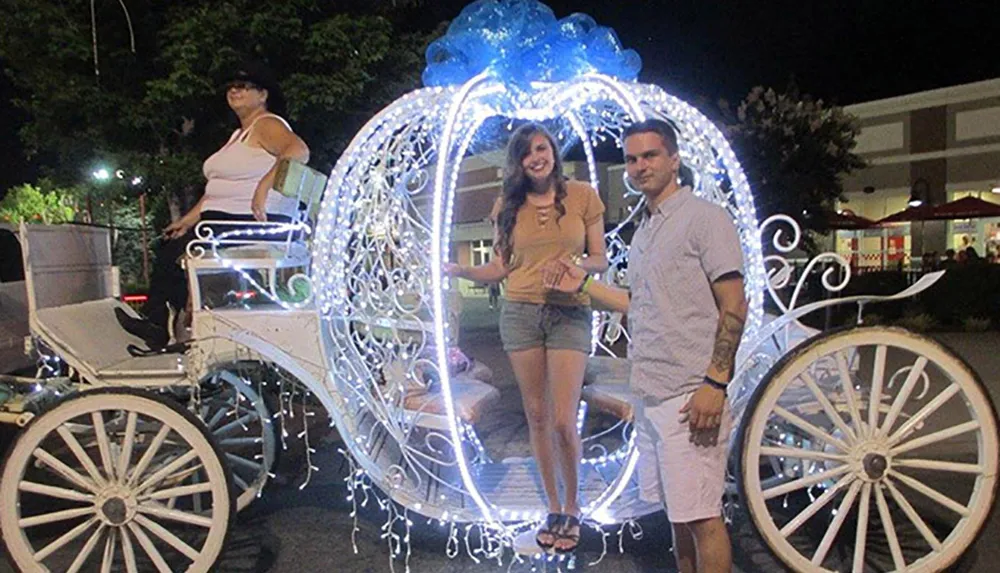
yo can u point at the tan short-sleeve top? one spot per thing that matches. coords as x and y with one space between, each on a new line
535 244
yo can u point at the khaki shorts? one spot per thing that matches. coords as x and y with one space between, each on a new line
688 478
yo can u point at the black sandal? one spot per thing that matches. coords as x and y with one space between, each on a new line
568 523
551 527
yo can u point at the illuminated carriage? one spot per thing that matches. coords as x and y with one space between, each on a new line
862 449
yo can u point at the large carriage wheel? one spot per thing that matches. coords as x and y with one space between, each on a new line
869 449
239 419
100 482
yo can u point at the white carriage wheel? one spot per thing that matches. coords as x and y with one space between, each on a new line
87 484
860 446
239 420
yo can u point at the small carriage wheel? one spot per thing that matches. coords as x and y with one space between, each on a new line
869 449
85 485
240 421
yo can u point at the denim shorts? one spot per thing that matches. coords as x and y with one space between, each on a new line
525 325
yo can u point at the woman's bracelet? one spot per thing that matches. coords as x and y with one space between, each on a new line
585 284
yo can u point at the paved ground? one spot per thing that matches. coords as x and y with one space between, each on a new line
294 531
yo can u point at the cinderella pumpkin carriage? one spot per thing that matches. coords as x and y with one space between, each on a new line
862 449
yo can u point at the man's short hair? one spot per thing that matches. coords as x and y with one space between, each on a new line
658 126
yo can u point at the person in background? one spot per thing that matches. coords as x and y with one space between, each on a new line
539 218
240 177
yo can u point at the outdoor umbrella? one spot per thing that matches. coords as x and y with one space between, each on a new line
921 213
848 221
966 208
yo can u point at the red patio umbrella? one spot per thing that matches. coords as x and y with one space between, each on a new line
848 221
921 213
966 208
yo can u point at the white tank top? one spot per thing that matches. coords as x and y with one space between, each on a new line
234 171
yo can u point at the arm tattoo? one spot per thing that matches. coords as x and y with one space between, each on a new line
727 339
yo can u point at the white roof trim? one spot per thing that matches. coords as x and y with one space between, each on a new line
922 100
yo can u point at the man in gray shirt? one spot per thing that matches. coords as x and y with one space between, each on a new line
686 309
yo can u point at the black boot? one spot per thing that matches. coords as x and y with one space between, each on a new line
155 336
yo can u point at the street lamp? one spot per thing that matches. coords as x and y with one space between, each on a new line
102 174
918 193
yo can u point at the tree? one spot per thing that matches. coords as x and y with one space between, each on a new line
159 111
795 152
38 204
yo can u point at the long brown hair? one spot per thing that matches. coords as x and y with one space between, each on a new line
516 184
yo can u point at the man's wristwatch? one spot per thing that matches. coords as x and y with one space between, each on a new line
715 384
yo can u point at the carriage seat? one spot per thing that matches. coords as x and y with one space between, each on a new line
605 386
292 179
471 397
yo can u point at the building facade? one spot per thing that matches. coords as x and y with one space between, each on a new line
934 146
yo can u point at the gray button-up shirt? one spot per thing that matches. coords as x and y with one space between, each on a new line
677 251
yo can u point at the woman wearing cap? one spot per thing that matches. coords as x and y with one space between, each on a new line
240 176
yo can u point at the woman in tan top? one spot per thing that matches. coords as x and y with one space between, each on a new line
547 334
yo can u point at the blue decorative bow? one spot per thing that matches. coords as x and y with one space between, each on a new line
522 41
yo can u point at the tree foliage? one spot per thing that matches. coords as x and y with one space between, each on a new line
795 152
160 110
44 203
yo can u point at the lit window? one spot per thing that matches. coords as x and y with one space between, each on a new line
482 251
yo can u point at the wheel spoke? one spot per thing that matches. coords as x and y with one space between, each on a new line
235 442
831 412
216 418
810 429
167 470
804 482
931 493
128 551
799 453
81 455
861 537
68 473
243 485
890 530
239 423
181 491
935 437
875 399
163 512
53 491
911 513
938 466
838 520
814 507
26 522
147 457
108 560
924 412
149 548
847 383
88 548
171 539
244 463
903 396
103 444
64 539
127 443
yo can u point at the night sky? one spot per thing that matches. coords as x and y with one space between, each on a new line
846 51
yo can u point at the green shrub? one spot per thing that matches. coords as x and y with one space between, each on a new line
976 324
922 322
37 204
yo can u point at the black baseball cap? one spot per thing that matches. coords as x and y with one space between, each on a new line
259 74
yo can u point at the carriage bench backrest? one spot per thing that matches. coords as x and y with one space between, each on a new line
299 181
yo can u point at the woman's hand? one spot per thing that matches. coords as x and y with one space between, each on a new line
258 205
452 270
563 276
181 226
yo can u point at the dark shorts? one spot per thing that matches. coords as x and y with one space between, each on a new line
525 325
